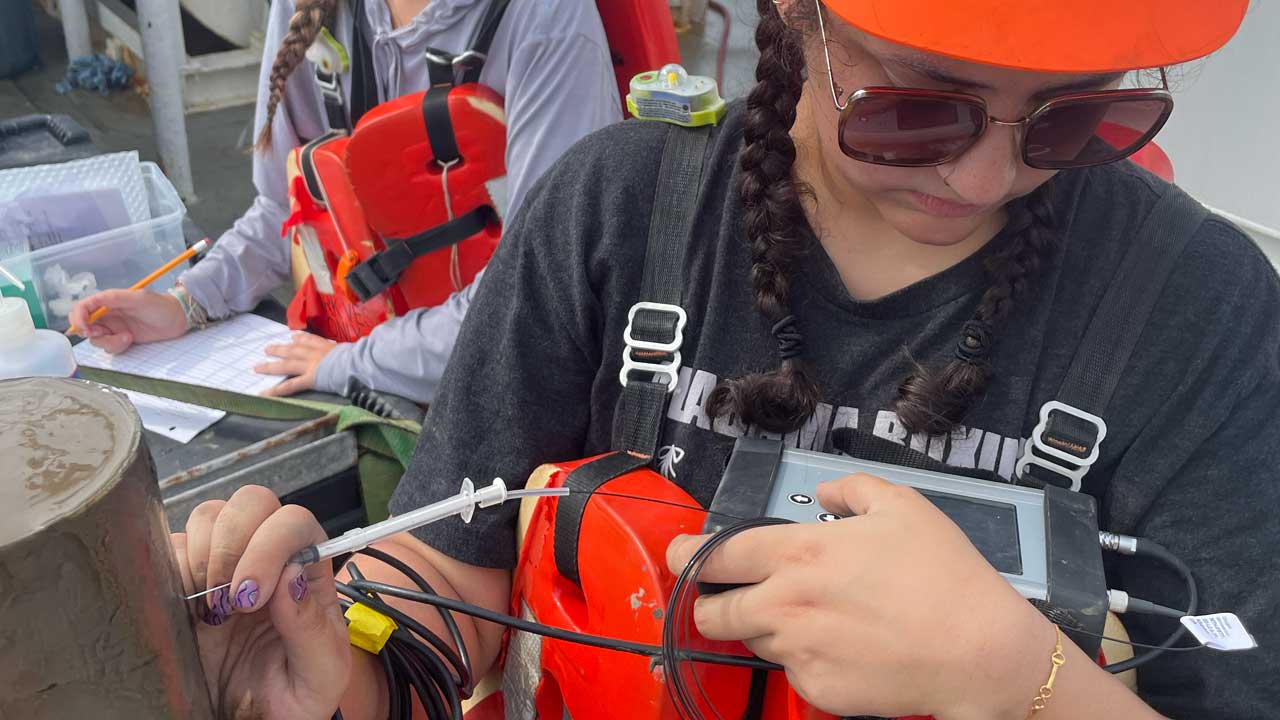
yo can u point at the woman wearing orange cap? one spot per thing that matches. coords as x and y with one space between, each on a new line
905 229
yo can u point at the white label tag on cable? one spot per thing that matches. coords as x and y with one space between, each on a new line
1220 631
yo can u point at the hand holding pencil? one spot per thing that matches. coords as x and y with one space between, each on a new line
116 319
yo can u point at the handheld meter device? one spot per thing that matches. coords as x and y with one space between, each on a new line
1043 542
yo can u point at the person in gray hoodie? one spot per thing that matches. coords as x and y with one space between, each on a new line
550 62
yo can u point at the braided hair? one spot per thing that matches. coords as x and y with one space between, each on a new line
308 18
930 400
775 223
935 400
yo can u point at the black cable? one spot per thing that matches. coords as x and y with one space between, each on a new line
556 633
755 695
431 701
1138 606
415 660
1141 646
679 606
397 691
670 503
467 674
352 591
1156 551
409 662
434 682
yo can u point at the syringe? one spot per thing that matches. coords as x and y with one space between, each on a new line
463 504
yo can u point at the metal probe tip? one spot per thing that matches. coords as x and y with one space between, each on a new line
206 592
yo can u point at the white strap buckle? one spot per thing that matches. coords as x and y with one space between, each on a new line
670 370
1072 467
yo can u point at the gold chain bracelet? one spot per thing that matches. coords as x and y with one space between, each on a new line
1057 660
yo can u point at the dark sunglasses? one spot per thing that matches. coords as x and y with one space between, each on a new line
920 128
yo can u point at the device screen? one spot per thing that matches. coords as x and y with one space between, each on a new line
992 527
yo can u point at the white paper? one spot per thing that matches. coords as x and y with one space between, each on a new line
1220 631
175 420
221 356
120 171
43 219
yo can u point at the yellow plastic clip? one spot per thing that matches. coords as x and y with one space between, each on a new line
368 629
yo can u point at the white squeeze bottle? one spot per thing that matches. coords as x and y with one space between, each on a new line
28 352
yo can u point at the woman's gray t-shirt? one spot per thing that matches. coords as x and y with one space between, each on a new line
1192 454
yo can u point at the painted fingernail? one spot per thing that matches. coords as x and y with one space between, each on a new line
220 601
217 610
246 596
298 588
211 616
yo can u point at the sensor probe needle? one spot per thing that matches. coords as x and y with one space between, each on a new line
463 504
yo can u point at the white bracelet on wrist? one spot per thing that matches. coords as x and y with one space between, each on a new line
196 316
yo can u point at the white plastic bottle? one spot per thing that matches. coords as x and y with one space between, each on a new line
28 352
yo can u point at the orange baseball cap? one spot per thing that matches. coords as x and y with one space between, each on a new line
1052 35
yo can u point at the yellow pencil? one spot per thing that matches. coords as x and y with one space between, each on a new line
185 256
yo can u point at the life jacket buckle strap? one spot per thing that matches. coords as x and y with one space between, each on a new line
1066 454
661 356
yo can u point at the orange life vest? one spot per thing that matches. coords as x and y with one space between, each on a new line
622 591
380 225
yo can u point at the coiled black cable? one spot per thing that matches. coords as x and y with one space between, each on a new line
627 646
460 659
417 661
1156 551
675 631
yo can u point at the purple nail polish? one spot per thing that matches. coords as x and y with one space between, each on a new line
220 601
209 616
298 588
247 596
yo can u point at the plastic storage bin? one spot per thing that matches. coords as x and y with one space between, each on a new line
116 258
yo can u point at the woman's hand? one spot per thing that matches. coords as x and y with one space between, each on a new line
274 645
136 316
892 612
300 358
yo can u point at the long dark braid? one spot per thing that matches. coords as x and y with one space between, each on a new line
935 400
775 223
931 400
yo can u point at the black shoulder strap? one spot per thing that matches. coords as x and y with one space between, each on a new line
582 482
364 81
1065 442
655 327
873 448
446 71
651 361
482 40
453 69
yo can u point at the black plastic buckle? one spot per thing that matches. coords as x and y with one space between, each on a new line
379 272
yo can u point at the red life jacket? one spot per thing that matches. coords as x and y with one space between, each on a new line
394 214
371 233
623 592
380 225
